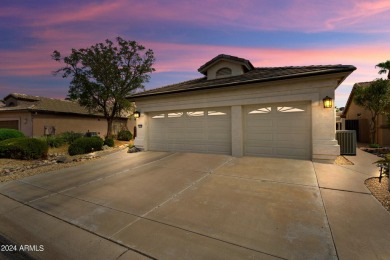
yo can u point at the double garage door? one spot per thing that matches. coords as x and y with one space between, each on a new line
275 130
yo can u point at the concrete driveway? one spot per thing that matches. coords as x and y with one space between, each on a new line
178 206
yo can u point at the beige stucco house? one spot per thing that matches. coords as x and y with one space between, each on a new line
240 110
39 116
357 118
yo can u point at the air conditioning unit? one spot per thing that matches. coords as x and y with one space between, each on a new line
347 141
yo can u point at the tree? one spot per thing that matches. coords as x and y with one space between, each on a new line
384 68
104 74
375 98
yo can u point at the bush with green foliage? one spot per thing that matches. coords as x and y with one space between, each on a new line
109 142
6 133
85 145
374 146
23 148
124 135
54 141
70 137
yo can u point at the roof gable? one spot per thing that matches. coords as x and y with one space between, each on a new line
37 103
24 97
246 64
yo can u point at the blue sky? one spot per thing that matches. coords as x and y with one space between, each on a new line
186 34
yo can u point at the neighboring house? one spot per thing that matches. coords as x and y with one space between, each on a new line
40 116
240 110
357 118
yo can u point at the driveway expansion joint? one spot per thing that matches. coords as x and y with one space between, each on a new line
351 191
326 213
143 216
265 180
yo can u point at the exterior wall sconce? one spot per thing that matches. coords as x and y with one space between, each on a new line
136 114
328 102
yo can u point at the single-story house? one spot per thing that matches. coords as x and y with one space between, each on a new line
241 110
39 116
357 118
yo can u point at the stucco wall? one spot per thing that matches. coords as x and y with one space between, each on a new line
236 69
324 145
24 118
383 131
63 123
356 112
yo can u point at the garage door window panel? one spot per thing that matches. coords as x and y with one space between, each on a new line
262 110
195 113
291 109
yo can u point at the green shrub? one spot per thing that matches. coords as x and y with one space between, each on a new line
6 133
54 141
70 137
23 148
109 142
85 145
124 135
374 146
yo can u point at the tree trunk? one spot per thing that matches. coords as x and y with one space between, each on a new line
373 130
109 127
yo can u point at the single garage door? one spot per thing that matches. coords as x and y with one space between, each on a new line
278 130
12 124
196 130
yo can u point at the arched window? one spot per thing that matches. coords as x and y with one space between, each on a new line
224 72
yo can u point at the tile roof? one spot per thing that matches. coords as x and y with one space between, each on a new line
37 103
264 74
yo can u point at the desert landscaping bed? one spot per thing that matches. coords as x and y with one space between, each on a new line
58 158
380 190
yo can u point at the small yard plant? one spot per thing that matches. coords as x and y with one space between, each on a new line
6 133
23 148
70 137
85 145
54 141
124 135
384 165
109 142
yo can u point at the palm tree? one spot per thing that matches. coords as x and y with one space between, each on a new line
384 68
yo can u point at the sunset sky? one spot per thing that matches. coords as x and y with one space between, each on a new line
186 34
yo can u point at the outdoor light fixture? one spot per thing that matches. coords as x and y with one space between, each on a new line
137 114
328 102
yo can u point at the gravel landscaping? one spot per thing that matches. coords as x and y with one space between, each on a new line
11 169
380 190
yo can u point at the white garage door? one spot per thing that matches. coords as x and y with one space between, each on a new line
278 130
196 130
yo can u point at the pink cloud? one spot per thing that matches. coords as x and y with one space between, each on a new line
363 13
179 57
300 15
